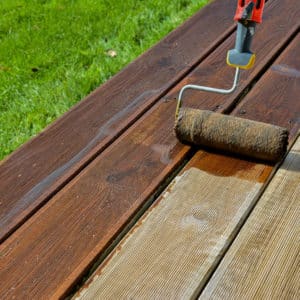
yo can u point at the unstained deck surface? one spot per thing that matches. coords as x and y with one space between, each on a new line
107 204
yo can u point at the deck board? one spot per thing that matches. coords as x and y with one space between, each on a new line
263 261
36 171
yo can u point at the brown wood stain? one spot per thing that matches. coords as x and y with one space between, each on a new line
220 165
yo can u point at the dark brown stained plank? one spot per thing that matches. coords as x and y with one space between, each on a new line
39 168
67 235
179 242
272 99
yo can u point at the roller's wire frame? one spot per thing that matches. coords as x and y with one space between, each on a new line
207 89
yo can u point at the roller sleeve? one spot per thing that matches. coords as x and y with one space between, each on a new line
231 134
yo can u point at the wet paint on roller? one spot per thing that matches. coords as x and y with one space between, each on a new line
232 134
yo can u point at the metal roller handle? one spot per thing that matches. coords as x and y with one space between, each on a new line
207 89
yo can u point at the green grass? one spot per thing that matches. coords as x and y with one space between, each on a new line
53 53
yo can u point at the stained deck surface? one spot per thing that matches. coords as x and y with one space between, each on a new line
107 204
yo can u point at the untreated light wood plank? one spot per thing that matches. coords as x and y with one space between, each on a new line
42 166
170 252
263 261
69 233
174 249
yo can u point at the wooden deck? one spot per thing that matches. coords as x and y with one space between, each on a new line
107 204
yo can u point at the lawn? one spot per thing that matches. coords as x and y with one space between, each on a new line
53 53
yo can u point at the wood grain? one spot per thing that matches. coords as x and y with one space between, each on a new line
263 262
171 251
32 174
180 241
270 99
70 232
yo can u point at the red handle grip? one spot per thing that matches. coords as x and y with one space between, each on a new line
257 11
